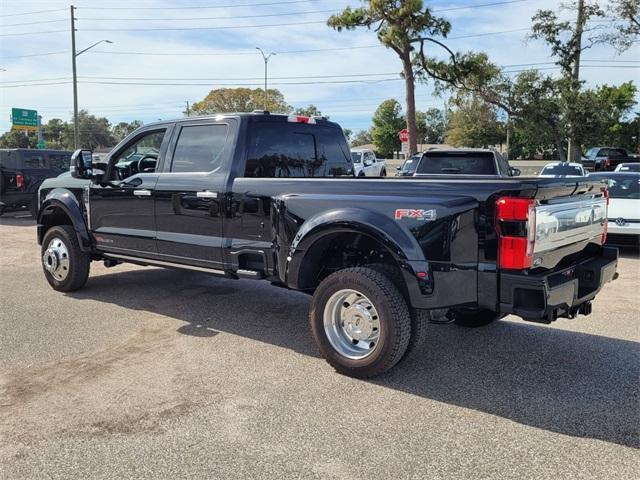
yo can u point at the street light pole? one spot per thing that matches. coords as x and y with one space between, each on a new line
266 62
74 54
76 130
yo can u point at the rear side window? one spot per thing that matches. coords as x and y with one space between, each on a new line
296 150
199 148
33 161
463 163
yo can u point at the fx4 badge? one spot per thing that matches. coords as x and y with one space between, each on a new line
416 214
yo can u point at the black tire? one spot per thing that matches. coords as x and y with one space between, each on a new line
361 174
393 314
383 173
474 318
419 318
78 261
2 207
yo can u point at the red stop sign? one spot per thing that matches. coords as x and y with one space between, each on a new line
404 135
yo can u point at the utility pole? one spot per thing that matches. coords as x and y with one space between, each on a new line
188 109
76 129
74 55
581 20
508 136
266 62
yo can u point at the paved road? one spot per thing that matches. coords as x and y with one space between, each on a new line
153 373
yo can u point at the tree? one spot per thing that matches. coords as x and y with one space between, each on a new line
56 134
399 24
626 27
361 137
122 129
224 100
387 122
347 133
18 139
567 42
95 131
310 111
431 125
474 124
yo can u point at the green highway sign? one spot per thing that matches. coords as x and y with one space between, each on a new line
42 145
23 119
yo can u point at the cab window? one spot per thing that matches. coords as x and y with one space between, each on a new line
199 148
140 156
296 150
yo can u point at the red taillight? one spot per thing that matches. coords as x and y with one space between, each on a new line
605 193
19 180
516 226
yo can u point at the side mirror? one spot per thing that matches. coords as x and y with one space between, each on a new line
81 164
514 172
368 163
398 168
99 167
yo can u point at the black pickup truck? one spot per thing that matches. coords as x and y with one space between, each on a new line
263 196
599 159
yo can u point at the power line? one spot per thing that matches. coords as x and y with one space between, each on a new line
304 77
32 33
478 6
311 82
32 23
196 81
208 18
145 19
37 54
176 29
201 7
33 13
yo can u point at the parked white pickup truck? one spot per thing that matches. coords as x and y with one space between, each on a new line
365 164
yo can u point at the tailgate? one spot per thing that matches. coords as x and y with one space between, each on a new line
568 219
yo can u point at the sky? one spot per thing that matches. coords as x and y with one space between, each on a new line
187 48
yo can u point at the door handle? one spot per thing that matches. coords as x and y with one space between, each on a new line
142 193
207 194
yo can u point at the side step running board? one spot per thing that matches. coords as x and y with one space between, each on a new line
252 274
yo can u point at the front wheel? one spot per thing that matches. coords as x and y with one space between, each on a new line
65 265
383 173
360 322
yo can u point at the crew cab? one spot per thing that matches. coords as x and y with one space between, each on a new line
464 161
22 170
606 158
273 197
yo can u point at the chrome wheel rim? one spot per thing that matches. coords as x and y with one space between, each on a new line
352 324
56 259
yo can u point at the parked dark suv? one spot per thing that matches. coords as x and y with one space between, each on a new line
22 171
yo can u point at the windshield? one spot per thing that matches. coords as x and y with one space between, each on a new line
464 163
411 164
623 185
563 170
356 156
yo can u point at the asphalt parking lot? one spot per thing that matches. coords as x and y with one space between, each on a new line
150 373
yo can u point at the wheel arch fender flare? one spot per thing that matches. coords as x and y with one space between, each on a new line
399 242
60 199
